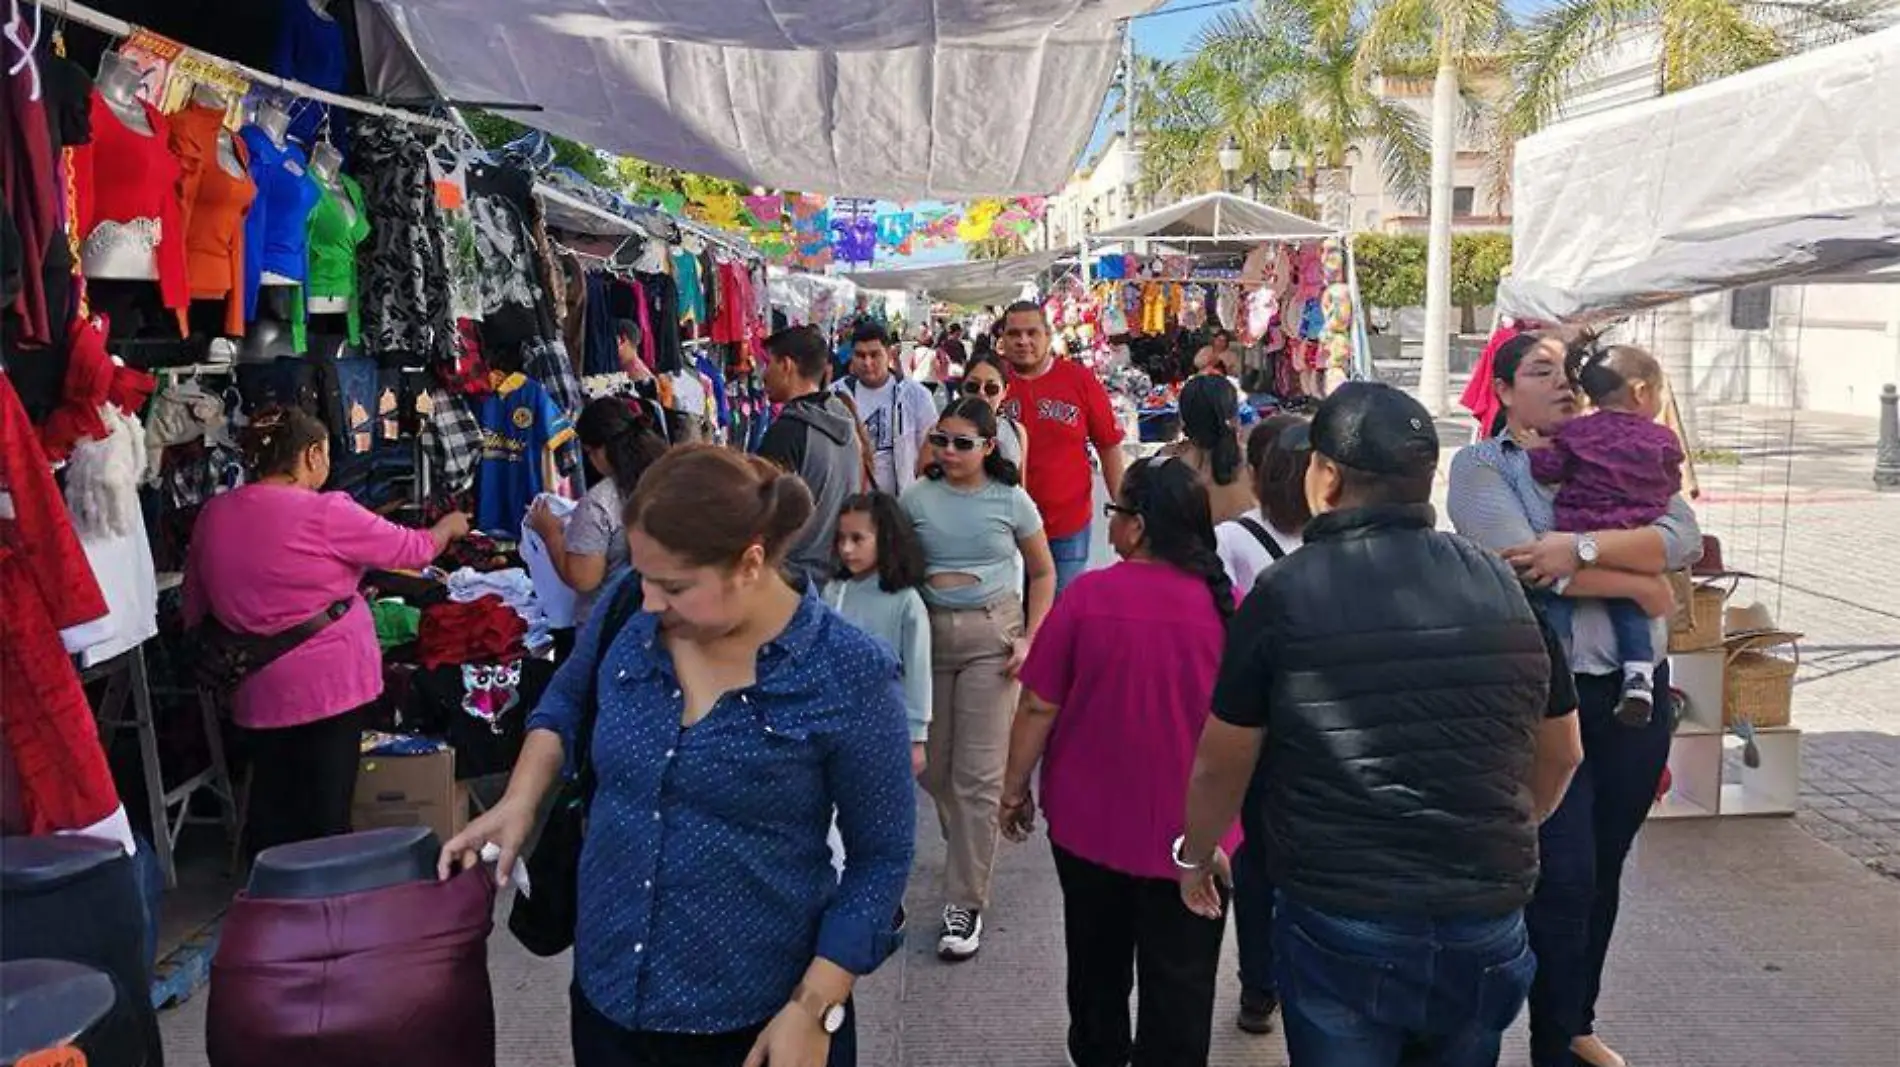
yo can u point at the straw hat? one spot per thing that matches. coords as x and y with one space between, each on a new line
1752 626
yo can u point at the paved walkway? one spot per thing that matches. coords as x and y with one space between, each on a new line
1742 943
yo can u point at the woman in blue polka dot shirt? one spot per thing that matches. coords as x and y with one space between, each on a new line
736 713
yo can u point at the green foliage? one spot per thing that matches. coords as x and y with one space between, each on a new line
1392 268
494 130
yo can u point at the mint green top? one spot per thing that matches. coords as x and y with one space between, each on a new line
333 237
899 620
974 533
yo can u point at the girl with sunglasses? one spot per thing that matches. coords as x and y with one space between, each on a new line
987 379
973 517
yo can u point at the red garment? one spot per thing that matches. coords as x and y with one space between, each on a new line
1065 409
484 630
732 321
46 585
92 379
1481 395
397 975
27 190
124 175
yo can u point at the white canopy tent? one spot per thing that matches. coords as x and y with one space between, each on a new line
980 281
1217 218
893 98
1787 172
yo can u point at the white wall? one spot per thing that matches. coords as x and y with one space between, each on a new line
1828 348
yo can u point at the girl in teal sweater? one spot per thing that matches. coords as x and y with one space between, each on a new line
876 591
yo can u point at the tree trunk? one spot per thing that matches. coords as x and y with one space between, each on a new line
1434 371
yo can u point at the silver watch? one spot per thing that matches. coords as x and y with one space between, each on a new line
1587 549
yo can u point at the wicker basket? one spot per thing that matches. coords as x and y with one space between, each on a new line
1697 626
1758 687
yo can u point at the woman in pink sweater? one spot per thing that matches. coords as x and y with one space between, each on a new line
272 555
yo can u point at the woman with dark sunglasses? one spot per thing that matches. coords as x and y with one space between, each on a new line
987 379
973 517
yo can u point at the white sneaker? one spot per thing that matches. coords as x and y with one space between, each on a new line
962 934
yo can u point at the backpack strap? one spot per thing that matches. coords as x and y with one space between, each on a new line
625 602
1266 539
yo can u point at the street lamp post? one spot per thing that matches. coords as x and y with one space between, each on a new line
1229 158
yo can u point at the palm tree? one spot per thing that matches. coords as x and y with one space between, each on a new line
1285 73
1448 34
1697 41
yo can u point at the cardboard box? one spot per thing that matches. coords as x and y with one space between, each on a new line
410 791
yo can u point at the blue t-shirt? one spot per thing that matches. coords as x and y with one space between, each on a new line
521 425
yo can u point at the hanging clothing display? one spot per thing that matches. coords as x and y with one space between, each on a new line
310 48
334 233
517 309
47 586
127 186
521 426
217 205
404 284
448 169
276 233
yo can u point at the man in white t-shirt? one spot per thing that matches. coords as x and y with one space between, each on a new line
896 413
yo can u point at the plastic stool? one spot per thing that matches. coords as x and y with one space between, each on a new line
46 1004
349 863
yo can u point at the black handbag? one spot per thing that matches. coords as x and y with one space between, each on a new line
543 919
225 657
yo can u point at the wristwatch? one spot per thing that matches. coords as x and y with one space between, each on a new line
830 1016
1180 864
1587 549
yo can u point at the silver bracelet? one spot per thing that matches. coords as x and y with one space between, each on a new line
1180 864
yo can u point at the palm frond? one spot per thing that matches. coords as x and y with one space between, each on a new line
1557 46
1403 145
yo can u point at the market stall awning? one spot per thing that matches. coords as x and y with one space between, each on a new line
980 281
1790 172
904 99
1218 217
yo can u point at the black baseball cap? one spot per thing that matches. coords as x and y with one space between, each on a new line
1372 427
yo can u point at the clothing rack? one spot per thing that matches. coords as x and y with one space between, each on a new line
120 28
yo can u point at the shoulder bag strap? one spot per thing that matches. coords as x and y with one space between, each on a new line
1266 539
626 601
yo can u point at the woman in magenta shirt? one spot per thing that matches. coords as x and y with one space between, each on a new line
1115 736
271 555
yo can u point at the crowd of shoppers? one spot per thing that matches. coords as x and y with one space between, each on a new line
1406 758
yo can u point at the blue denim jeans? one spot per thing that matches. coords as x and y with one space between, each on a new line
1582 848
1071 554
1628 621
1398 990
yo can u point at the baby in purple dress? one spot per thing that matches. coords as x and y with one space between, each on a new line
1617 469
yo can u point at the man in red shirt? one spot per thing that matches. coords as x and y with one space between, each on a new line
1065 410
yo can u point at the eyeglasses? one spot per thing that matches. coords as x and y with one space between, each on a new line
1109 511
990 389
960 442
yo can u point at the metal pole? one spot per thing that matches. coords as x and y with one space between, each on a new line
1887 458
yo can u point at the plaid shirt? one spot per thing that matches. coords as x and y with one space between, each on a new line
454 439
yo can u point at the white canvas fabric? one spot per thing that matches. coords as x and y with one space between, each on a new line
890 98
1788 172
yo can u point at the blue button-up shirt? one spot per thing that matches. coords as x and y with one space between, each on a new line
706 885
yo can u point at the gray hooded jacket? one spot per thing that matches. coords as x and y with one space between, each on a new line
816 438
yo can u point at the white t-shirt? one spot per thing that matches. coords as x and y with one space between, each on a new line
1242 553
877 410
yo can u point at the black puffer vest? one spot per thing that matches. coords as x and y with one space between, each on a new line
1409 676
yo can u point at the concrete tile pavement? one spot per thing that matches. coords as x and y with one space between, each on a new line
1742 943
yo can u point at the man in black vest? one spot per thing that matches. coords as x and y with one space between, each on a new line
1406 721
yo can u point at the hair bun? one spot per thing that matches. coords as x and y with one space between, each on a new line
785 506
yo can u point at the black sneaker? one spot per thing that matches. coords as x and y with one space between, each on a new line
1639 701
1256 1011
962 934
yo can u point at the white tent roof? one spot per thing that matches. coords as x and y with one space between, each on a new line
1218 217
980 281
893 98
1790 171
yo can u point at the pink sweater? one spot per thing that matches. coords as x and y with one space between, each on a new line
265 558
